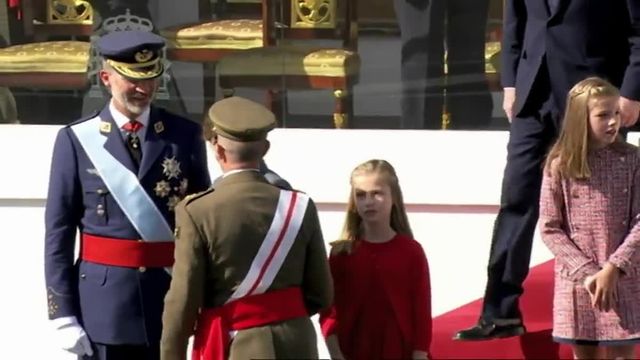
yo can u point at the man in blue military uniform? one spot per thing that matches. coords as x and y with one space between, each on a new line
116 176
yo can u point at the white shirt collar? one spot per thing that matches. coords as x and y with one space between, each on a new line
121 119
231 172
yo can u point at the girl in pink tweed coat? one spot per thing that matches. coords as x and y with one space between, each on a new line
589 211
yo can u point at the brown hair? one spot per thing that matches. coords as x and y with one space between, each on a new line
572 145
352 228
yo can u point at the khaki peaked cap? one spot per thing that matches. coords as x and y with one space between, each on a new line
241 119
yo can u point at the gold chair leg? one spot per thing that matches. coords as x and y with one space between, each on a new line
343 108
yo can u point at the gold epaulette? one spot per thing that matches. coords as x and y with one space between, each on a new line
189 198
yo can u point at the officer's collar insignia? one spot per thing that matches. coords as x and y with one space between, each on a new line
158 127
105 127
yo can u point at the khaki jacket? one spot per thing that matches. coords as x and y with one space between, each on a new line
218 234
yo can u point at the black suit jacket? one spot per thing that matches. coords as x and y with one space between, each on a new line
580 38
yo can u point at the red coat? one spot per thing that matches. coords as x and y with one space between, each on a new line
380 285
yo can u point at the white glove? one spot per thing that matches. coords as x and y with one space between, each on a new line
71 336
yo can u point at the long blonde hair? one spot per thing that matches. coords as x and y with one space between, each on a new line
352 228
572 146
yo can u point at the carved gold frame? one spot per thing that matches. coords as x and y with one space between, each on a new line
71 13
313 14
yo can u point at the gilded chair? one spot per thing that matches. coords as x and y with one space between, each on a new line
237 26
493 64
51 65
289 60
48 15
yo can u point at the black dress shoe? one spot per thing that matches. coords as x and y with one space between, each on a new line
487 331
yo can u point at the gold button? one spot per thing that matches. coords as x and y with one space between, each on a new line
142 269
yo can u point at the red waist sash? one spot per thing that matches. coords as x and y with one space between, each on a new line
212 337
125 252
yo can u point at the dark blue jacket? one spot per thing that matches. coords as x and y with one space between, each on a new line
581 38
116 305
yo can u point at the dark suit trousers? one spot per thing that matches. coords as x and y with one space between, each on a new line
413 18
123 352
530 137
459 27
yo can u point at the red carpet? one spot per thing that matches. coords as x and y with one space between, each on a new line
536 305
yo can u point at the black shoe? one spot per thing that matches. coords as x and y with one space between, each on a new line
487 331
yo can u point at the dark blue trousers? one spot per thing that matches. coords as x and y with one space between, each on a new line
531 134
123 352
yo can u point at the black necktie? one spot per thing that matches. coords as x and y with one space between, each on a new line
133 140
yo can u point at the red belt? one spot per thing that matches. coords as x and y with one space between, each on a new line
125 252
212 338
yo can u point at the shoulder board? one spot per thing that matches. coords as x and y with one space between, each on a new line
85 118
190 198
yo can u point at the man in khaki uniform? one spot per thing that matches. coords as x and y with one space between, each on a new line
250 261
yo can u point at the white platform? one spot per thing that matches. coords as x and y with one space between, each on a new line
451 183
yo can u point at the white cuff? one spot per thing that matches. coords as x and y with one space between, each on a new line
61 322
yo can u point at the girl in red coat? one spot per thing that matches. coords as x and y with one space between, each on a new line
382 307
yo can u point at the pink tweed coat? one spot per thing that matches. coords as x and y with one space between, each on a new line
586 223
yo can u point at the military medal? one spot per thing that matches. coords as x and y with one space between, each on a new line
135 141
162 188
171 168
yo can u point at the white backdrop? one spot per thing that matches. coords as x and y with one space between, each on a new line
450 179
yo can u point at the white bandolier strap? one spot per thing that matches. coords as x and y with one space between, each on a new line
284 229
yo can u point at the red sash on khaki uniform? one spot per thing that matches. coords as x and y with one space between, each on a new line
212 338
250 305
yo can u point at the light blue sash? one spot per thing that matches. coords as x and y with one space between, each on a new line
123 184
